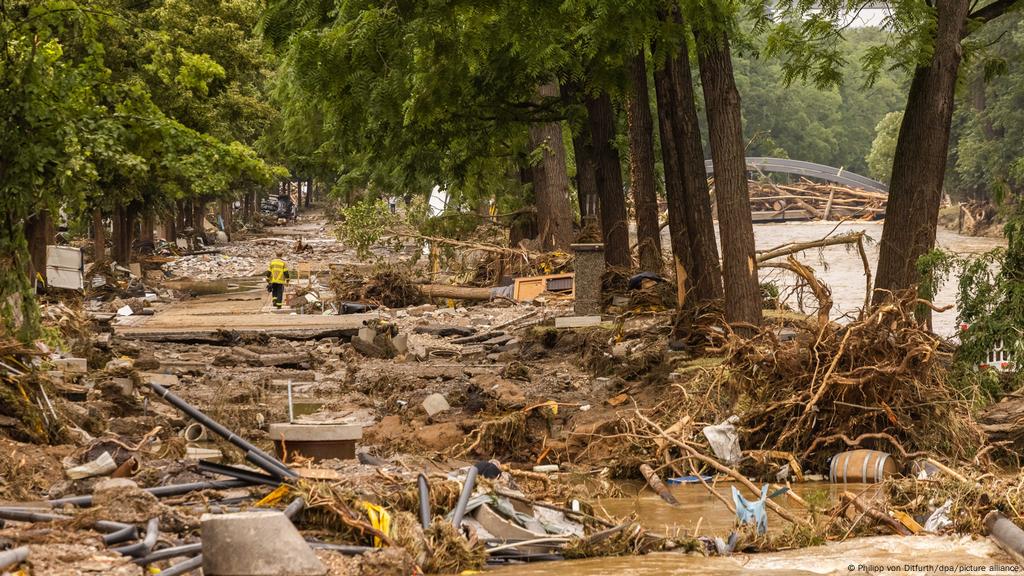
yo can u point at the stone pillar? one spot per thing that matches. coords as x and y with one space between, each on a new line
589 270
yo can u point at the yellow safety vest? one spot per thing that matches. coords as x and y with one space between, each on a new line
278 271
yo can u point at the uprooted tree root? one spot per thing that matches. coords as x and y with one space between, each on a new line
970 499
388 286
881 377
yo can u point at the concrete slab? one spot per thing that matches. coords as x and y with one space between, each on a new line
165 380
577 321
263 543
315 432
73 365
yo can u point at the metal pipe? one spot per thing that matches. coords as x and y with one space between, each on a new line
183 567
237 473
28 516
146 545
13 557
217 428
129 533
296 506
341 548
467 491
291 406
168 553
424 500
159 491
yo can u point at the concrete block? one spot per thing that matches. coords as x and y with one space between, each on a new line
401 343
577 321
263 543
317 441
367 334
435 404
165 380
73 365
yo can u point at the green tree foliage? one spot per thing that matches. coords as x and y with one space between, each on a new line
883 148
108 101
832 125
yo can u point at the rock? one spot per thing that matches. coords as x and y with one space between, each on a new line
109 484
367 334
421 309
435 404
620 350
262 543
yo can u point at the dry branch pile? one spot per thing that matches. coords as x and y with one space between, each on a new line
818 201
387 285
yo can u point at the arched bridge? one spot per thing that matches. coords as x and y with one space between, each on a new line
811 170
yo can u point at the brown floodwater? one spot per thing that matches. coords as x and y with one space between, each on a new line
702 514
841 268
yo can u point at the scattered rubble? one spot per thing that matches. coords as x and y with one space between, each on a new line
454 435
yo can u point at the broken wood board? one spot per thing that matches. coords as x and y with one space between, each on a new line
214 328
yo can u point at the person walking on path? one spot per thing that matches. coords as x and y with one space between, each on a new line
277 277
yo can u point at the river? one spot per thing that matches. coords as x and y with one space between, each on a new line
840 267
703 514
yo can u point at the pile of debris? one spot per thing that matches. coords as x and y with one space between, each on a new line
816 201
215 266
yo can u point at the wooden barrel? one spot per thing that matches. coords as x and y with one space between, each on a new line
857 466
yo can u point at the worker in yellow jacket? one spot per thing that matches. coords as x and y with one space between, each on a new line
277 277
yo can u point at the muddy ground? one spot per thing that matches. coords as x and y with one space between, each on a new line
525 396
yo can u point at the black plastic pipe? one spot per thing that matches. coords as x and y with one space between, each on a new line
129 533
296 506
28 516
238 473
220 430
424 500
145 546
168 553
159 491
467 491
183 567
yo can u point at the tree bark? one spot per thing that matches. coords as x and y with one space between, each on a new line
722 99
641 166
679 235
309 192
614 224
146 237
199 219
550 180
38 233
586 177
919 163
706 271
117 252
99 237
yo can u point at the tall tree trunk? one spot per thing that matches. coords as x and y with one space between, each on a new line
99 237
147 241
181 217
199 219
38 233
118 234
550 180
309 192
722 99
586 177
131 217
641 166
707 272
919 163
614 224
678 225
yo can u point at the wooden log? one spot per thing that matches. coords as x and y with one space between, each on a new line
654 481
875 514
455 292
